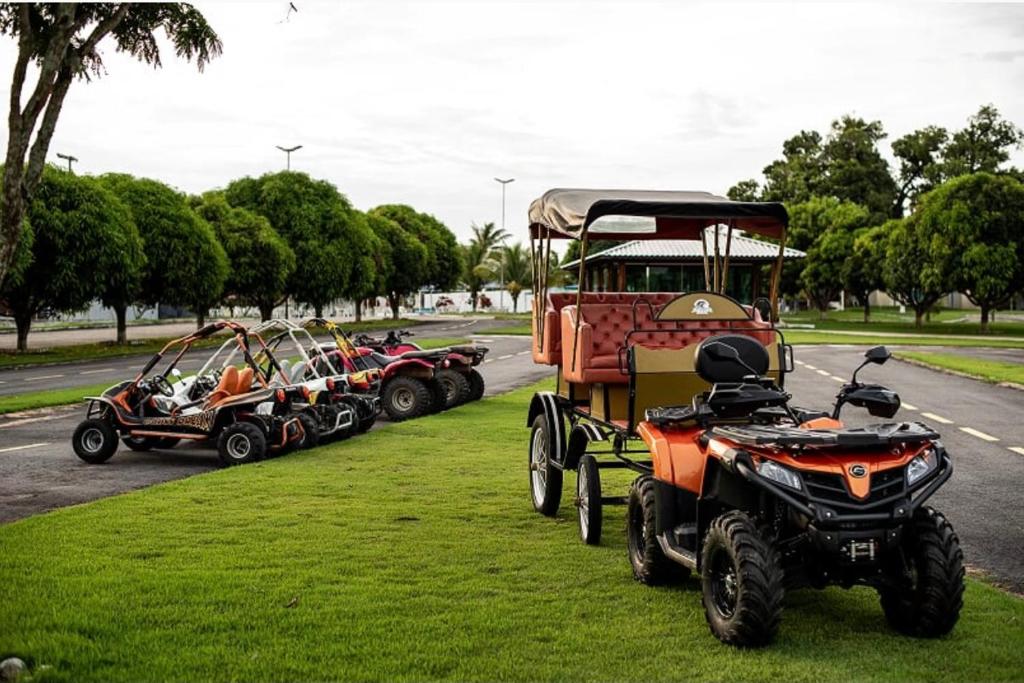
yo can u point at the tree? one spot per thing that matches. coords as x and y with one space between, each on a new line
822 275
799 174
405 258
518 271
745 191
920 168
478 269
261 261
444 264
973 228
63 41
862 271
329 237
855 170
488 236
78 237
910 277
983 146
185 264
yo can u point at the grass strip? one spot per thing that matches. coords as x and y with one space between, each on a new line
413 553
50 397
984 369
816 338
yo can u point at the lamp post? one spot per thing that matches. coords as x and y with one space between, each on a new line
70 159
501 259
288 151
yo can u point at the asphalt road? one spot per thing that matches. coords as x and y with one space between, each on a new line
979 423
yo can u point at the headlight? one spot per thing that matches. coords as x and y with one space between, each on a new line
921 465
769 469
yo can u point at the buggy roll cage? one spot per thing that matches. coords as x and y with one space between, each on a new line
241 341
243 337
622 215
283 329
341 338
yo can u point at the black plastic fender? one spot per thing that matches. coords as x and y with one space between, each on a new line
582 435
546 403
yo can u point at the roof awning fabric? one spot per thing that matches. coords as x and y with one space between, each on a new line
647 214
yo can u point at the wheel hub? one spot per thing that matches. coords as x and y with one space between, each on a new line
92 440
239 446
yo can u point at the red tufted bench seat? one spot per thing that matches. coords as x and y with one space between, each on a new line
604 326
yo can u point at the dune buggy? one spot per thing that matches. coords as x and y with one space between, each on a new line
734 482
409 384
461 380
216 406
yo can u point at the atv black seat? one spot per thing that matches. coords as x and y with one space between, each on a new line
384 359
784 436
715 370
743 398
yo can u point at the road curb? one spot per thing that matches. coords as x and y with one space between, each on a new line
957 373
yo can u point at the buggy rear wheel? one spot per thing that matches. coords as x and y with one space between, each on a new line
241 443
742 582
310 431
406 398
650 565
476 385
545 477
141 443
588 500
94 440
924 598
167 442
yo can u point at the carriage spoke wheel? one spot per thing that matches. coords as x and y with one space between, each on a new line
545 476
588 500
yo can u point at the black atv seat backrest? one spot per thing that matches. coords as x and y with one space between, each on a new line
715 370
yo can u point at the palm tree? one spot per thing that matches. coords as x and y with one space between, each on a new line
488 237
517 271
482 262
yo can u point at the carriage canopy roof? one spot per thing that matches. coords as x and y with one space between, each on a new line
648 214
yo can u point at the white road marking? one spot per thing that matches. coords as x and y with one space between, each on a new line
93 372
15 423
809 366
824 373
937 418
981 435
25 447
800 362
836 379
1016 449
488 360
38 377
481 339
505 357
522 353
909 407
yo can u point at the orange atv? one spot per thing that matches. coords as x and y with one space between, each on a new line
734 482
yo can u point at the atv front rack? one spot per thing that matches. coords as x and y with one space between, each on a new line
784 436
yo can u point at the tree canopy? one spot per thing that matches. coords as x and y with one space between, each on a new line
405 256
444 258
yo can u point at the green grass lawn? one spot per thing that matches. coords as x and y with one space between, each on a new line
525 330
807 337
49 398
413 553
988 370
81 352
889 319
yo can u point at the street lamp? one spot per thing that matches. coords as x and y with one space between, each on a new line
501 260
67 157
288 151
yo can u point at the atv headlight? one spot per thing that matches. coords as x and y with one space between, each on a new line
921 466
769 469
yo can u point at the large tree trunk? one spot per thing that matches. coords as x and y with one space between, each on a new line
984 319
318 310
266 311
515 304
393 301
919 317
200 318
359 310
474 293
23 321
121 311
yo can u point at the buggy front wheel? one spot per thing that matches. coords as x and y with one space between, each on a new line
241 443
94 440
545 476
588 500
310 431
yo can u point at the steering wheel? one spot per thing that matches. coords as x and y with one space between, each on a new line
160 383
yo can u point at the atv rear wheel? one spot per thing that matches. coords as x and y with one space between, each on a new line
650 565
94 440
742 582
310 431
241 443
406 398
588 500
924 598
476 385
545 477
456 387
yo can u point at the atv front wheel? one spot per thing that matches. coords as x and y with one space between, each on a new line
650 565
742 582
456 387
406 398
94 441
588 500
476 385
241 443
545 477
924 598
310 431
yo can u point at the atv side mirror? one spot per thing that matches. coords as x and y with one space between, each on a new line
176 372
720 351
877 355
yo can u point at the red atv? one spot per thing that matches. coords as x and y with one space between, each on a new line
461 380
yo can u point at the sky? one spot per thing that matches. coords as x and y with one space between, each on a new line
425 103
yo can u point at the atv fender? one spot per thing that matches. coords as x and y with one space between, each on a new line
546 403
581 436
410 367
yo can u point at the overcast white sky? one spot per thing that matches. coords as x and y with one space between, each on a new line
425 102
